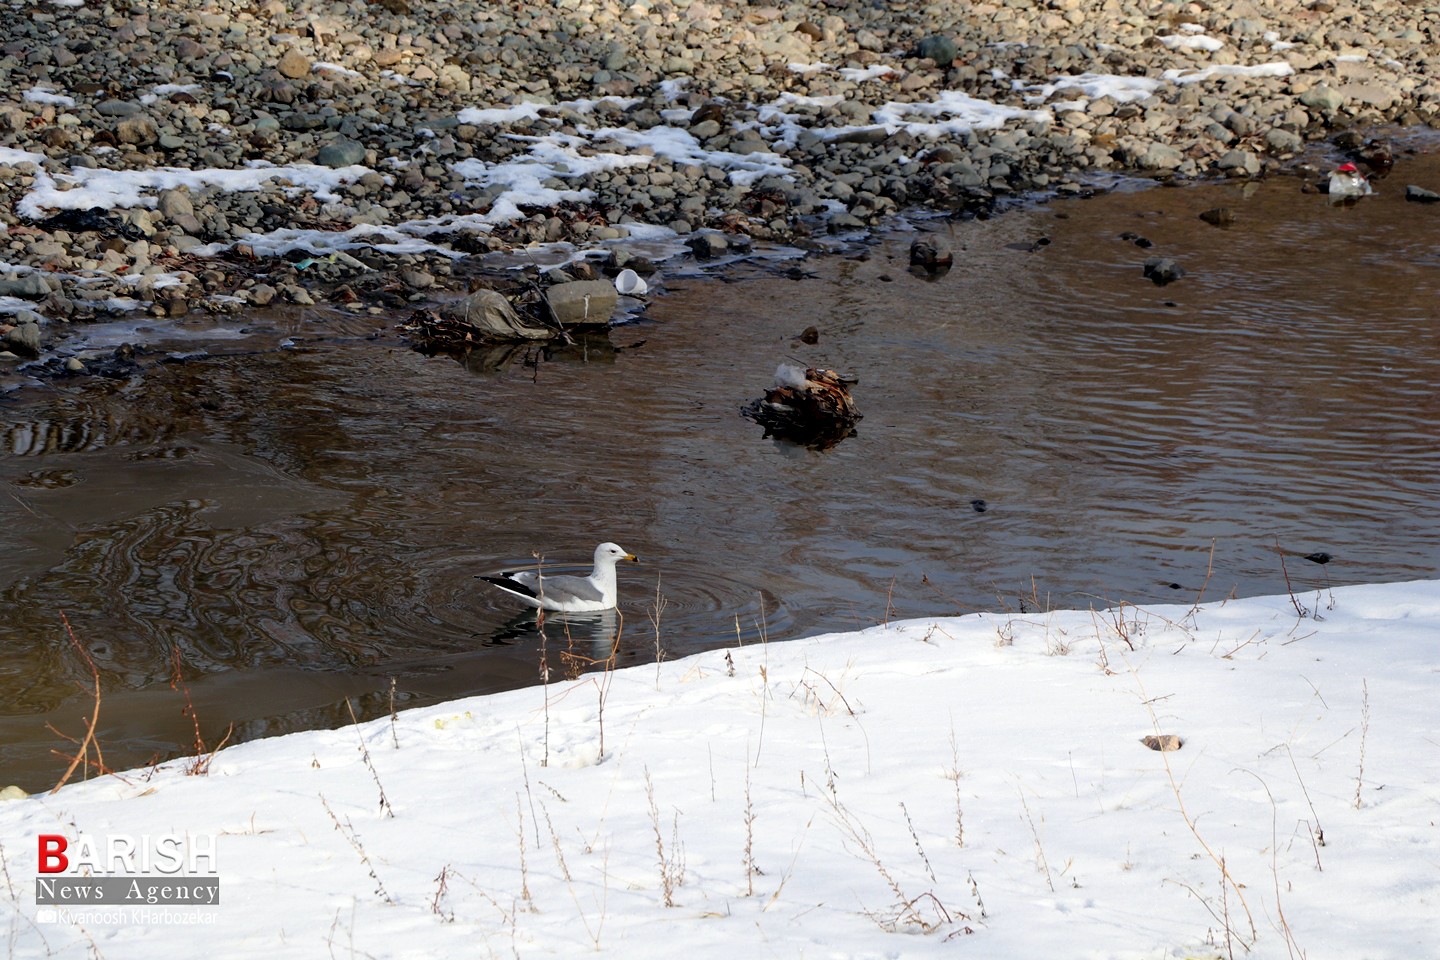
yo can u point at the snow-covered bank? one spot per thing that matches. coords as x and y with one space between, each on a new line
913 789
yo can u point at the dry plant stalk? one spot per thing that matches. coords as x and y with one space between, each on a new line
524 869
83 744
385 807
1227 877
907 908
1364 731
347 830
655 612
575 664
671 873
749 859
1041 863
442 888
199 764
953 774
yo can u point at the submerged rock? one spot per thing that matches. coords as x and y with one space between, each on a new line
1163 270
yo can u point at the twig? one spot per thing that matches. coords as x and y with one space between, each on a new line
82 754
385 807
1364 729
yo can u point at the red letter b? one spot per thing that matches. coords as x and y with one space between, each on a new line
52 853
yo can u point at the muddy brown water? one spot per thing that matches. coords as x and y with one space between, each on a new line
299 514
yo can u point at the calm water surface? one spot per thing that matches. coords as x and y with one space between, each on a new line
300 524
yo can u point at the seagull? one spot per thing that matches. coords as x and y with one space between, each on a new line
564 593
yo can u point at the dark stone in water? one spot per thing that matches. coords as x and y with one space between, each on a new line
932 252
810 335
1163 270
1321 558
1219 217
1136 239
979 506
1416 194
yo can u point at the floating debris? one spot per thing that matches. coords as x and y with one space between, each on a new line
810 406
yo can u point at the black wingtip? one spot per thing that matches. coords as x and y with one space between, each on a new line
513 586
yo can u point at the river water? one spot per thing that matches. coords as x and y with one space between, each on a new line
297 515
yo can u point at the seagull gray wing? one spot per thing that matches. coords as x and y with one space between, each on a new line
561 589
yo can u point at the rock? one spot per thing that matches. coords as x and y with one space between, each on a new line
72 365
1163 270
708 244
940 49
1164 742
489 316
26 286
1239 163
261 295
343 152
1219 217
1160 156
1283 143
117 108
582 302
1321 97
24 339
138 130
1416 194
932 252
417 279
293 64
174 203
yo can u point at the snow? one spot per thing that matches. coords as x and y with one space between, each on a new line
972 784
1277 69
1192 41
865 74
964 114
44 94
85 187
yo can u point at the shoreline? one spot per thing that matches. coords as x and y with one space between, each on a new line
236 156
1011 778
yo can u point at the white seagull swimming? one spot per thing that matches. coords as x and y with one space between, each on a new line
568 594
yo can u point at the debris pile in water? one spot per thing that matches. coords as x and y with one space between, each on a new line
808 406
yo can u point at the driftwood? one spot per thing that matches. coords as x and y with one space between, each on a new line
811 407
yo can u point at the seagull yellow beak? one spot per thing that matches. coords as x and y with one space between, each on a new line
632 558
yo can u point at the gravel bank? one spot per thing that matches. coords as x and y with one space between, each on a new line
174 156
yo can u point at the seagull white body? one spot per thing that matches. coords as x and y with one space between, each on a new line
568 594
1348 181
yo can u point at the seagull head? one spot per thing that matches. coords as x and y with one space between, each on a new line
613 553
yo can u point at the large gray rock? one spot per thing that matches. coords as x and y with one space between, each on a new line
492 317
582 301
340 153
1322 98
174 203
26 286
1160 156
940 49
24 339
